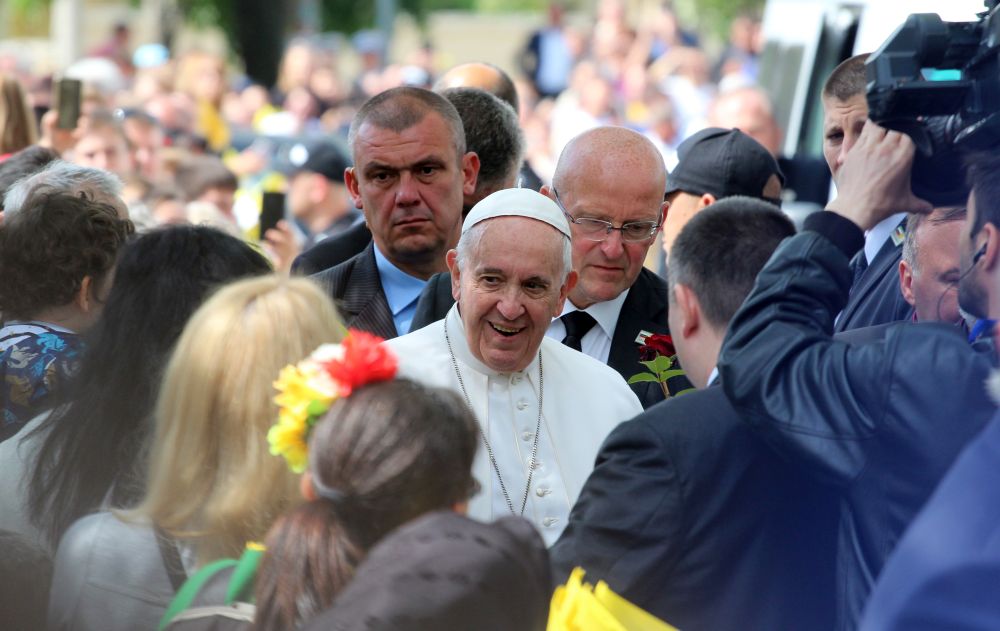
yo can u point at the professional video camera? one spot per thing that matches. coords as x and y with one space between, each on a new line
939 83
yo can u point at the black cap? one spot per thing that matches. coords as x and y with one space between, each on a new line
723 163
324 158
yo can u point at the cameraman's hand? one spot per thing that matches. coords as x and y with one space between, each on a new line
874 180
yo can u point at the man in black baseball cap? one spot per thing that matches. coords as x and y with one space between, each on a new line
317 196
316 199
716 163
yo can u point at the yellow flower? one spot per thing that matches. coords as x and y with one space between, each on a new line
301 391
288 440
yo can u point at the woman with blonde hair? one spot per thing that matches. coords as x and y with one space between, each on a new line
17 122
213 485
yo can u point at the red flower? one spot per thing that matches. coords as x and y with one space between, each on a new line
365 360
656 345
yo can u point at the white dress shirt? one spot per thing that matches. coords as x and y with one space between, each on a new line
877 236
597 341
583 401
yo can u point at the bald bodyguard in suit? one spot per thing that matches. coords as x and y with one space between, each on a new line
609 182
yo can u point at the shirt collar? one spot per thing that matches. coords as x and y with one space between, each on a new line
877 236
605 313
460 346
712 376
400 289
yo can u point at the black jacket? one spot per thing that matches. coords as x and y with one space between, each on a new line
644 309
690 516
357 291
883 421
333 250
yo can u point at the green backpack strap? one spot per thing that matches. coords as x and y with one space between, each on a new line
185 596
242 581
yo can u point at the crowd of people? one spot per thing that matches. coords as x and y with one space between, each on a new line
500 332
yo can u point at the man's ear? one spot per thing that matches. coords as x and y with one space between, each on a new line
991 258
451 259
906 282
567 287
83 298
353 188
306 487
689 310
546 190
707 199
664 207
470 172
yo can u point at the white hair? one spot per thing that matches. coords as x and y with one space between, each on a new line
60 176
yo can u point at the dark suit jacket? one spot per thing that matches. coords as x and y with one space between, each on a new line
690 516
644 309
876 299
882 421
333 250
357 291
945 573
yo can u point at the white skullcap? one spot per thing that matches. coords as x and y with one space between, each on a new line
518 202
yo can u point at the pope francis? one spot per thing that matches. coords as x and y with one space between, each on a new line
543 409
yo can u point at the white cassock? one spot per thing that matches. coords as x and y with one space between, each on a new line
583 401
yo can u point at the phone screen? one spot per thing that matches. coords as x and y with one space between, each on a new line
272 210
68 93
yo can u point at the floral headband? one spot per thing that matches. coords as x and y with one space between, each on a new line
307 390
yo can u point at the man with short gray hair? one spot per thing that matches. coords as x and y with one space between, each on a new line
60 176
930 268
410 175
543 409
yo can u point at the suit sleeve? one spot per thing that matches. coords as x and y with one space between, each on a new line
624 526
812 398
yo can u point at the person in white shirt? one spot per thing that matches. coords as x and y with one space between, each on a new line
543 408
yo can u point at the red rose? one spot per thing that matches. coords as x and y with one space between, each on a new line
657 345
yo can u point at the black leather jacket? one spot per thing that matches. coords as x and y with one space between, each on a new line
883 421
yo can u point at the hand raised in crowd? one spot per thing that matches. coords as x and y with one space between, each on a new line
281 246
56 138
875 178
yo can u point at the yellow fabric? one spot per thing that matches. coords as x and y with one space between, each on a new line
211 124
578 606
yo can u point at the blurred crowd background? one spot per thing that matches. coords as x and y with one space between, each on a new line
188 111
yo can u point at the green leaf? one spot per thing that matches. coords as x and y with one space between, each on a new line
669 374
659 364
684 391
643 377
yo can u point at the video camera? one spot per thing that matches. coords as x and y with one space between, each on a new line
939 83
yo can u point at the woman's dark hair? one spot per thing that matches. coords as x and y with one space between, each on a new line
96 442
50 245
387 454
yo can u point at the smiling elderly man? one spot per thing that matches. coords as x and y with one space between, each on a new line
543 408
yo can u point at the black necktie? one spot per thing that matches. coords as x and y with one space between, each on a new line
858 266
577 324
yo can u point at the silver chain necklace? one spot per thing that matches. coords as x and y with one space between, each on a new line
489 449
